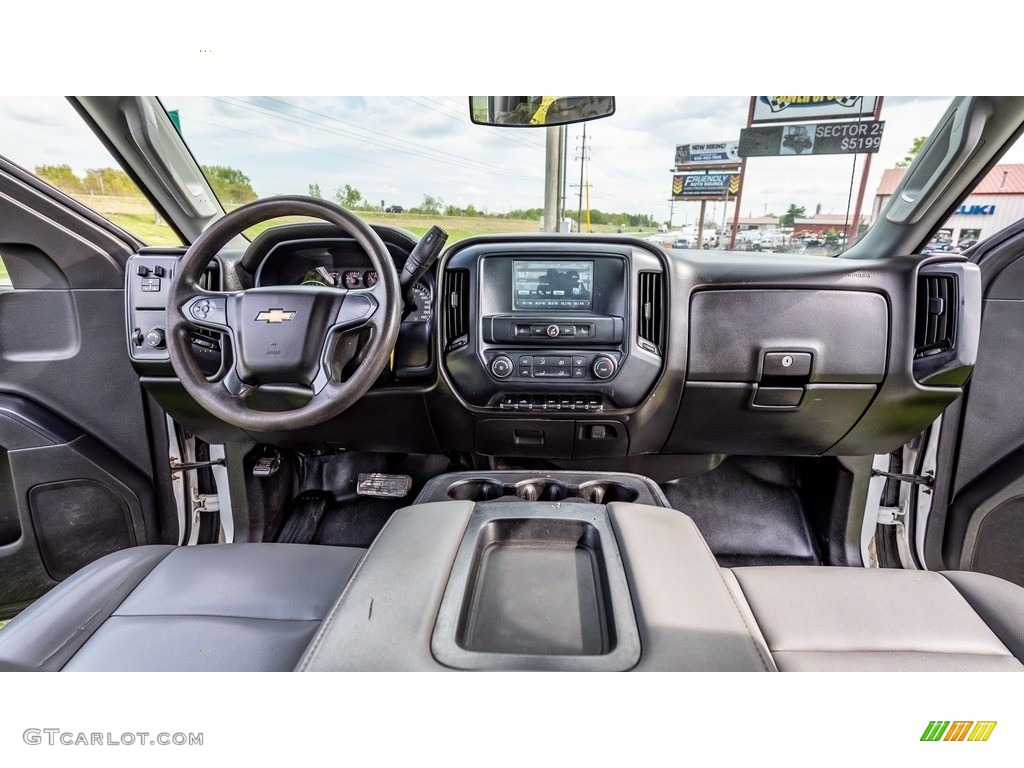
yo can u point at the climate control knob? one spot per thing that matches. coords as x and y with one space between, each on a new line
501 366
603 367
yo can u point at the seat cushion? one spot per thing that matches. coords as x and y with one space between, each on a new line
218 607
817 618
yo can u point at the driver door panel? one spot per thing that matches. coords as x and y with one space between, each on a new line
76 463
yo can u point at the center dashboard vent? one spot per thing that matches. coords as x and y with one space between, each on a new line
935 327
456 308
651 311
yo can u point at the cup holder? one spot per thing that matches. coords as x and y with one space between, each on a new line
605 492
476 490
542 489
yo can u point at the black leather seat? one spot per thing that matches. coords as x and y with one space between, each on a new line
218 607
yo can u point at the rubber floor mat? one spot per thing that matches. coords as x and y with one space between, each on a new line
307 510
749 511
356 523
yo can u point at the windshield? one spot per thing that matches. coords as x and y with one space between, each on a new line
666 169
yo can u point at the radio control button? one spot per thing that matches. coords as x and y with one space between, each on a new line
552 331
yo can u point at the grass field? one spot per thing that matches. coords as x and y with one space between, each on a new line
137 216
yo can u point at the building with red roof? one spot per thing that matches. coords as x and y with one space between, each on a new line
997 202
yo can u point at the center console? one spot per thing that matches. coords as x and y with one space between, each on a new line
519 571
565 336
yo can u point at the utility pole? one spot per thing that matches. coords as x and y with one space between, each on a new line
562 152
583 162
551 152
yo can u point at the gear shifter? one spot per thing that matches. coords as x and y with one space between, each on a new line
420 260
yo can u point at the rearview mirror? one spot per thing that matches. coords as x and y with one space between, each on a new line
538 111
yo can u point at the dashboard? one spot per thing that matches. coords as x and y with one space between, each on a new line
595 348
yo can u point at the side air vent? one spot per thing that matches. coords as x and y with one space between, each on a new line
651 311
947 323
935 330
456 308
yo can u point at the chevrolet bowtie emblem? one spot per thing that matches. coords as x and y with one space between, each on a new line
275 315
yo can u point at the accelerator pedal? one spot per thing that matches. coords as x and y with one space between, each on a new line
383 485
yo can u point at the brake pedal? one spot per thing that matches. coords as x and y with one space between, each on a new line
382 485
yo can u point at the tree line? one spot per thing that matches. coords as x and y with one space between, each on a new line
233 187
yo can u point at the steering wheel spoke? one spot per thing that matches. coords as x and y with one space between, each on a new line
208 310
358 309
235 386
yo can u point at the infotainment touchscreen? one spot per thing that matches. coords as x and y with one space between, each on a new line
553 284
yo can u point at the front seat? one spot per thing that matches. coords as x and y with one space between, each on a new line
828 619
214 607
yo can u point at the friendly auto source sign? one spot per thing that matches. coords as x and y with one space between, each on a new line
705 186
791 109
846 138
708 153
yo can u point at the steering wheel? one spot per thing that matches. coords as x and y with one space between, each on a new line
289 339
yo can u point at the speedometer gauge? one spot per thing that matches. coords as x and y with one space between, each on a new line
422 296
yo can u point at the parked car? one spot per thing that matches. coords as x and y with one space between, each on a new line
338 445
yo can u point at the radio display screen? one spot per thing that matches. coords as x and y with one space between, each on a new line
553 284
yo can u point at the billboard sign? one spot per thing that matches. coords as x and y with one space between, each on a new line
712 153
846 138
705 186
792 109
